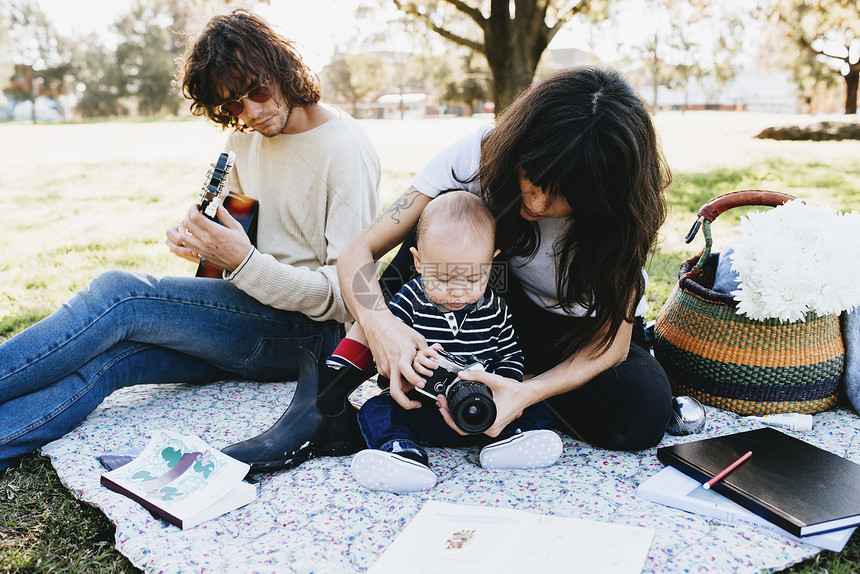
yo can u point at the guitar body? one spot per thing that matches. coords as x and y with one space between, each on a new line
244 209
240 206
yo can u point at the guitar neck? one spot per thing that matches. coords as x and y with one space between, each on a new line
213 185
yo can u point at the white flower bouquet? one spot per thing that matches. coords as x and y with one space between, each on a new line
795 259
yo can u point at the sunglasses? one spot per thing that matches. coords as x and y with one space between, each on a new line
235 107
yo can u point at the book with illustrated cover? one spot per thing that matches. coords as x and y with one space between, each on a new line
673 488
182 480
799 487
463 539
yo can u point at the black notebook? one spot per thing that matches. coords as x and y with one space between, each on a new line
797 486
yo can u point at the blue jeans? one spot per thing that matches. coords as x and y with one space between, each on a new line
127 329
382 422
851 337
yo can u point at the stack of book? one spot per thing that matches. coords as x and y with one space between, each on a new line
786 485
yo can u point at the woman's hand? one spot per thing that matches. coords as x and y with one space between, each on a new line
510 396
394 346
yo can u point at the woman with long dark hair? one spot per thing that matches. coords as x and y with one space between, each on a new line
574 174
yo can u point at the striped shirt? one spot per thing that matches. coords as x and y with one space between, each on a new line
483 331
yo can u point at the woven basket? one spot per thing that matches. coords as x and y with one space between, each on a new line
727 360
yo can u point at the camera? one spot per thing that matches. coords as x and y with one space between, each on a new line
470 402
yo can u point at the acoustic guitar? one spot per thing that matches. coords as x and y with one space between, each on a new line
240 206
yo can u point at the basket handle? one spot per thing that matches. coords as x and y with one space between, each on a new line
728 201
716 206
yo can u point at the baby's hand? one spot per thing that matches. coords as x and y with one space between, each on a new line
425 360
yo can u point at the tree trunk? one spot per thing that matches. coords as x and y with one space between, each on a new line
34 92
512 44
353 99
686 105
509 79
655 84
851 81
513 47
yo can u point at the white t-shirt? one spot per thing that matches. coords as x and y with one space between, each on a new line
537 276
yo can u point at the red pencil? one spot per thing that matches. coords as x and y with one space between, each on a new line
727 470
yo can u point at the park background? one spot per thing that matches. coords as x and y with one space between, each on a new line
113 158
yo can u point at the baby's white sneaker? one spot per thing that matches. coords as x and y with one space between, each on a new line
530 449
389 472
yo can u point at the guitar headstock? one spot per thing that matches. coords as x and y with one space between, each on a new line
213 185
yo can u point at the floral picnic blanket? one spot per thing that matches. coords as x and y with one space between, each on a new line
316 518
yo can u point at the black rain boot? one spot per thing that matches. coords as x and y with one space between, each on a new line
320 421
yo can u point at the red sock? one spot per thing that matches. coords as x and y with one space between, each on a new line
351 353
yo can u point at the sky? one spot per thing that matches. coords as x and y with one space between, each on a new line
316 26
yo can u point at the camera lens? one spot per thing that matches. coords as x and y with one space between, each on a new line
471 404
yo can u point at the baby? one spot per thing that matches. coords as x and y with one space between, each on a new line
450 304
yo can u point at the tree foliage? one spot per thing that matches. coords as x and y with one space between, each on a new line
151 41
390 54
136 66
828 33
37 55
681 42
99 77
511 34
355 76
469 86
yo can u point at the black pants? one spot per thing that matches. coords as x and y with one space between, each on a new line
624 408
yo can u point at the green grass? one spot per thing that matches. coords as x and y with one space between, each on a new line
69 213
44 529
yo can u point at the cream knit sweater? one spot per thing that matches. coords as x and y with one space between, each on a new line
316 191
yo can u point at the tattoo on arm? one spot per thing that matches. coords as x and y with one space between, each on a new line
394 210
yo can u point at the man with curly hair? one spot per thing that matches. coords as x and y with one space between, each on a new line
315 176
